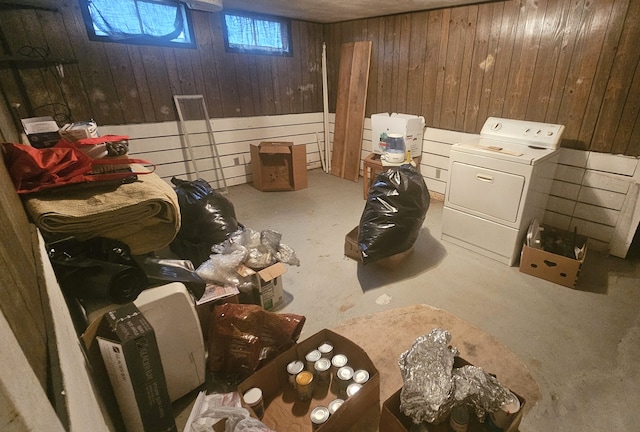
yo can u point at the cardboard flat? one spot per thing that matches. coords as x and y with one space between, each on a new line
394 420
279 166
552 267
283 409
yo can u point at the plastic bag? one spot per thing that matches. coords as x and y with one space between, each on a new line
208 218
396 207
264 248
97 269
243 337
221 268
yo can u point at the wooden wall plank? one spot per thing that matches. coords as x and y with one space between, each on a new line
502 60
20 297
403 56
567 61
619 110
416 62
602 74
434 29
386 98
205 39
524 58
550 47
122 72
374 93
445 22
470 26
478 67
588 47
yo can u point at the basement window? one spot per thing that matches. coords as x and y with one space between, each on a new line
142 22
256 34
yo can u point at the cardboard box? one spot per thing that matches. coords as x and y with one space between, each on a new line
552 267
268 291
127 344
411 127
283 409
279 166
352 250
42 132
394 420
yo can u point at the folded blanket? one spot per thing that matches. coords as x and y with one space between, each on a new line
144 214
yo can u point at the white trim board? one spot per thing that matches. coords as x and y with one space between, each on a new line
595 192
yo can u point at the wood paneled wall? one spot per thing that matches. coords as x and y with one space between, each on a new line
573 62
125 84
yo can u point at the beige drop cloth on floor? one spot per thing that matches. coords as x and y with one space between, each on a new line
144 214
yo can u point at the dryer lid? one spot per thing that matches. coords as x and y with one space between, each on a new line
505 150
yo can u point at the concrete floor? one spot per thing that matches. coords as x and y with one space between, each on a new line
582 346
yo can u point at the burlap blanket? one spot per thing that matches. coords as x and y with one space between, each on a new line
144 214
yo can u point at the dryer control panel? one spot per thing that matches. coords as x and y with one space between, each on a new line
526 133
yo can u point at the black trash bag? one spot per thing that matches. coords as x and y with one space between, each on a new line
97 270
208 218
396 207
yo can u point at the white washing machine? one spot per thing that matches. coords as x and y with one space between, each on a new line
497 184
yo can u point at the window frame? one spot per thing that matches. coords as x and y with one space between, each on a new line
141 40
286 22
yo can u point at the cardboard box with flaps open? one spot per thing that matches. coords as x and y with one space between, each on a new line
283 409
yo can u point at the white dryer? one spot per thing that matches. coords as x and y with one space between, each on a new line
497 184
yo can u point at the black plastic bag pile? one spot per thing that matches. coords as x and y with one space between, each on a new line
208 218
396 207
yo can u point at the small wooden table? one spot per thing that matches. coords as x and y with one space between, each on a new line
371 167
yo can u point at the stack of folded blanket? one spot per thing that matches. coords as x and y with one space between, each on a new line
144 214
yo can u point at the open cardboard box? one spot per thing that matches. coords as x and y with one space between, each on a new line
394 420
279 166
283 409
268 291
552 267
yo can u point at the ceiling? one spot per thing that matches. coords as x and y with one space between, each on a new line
330 11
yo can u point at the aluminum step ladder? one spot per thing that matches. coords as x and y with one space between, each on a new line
191 110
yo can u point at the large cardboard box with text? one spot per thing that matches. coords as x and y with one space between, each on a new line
124 349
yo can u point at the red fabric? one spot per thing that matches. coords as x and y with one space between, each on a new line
33 169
